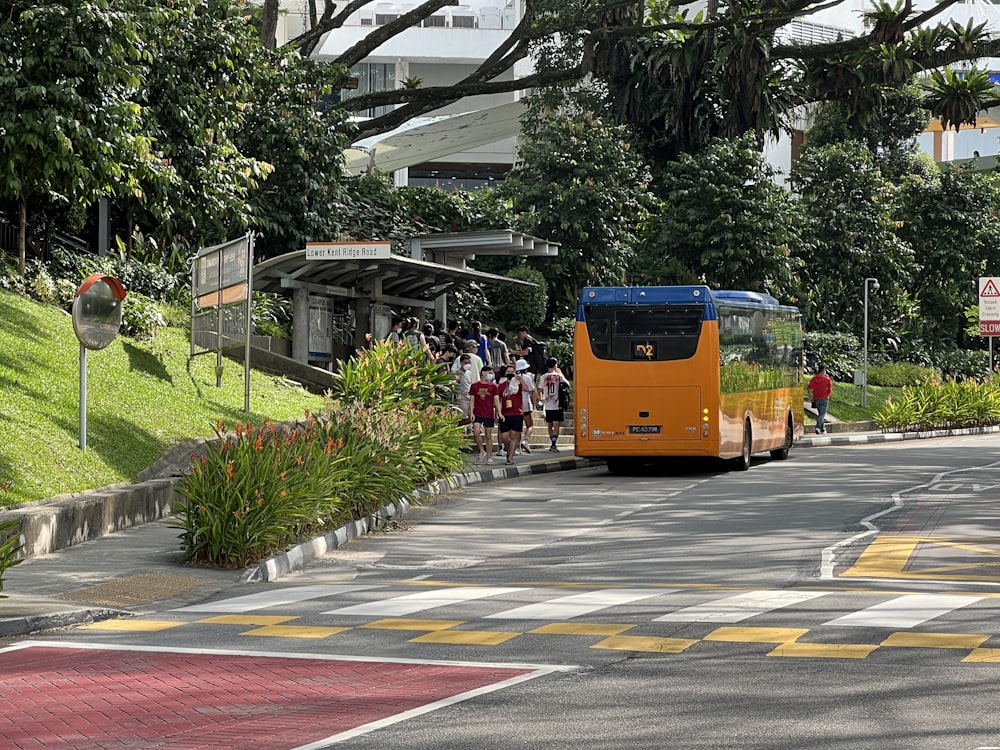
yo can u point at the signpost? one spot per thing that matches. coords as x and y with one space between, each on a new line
989 309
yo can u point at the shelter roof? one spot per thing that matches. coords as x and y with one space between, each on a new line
401 276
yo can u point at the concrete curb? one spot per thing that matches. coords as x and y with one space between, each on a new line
28 624
890 437
306 552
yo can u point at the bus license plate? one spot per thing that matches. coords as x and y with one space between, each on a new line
644 429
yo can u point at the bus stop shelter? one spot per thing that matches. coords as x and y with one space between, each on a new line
336 301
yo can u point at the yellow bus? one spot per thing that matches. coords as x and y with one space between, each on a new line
685 371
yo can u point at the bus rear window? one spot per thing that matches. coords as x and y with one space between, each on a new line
643 333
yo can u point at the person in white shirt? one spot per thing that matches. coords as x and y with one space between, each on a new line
527 396
465 381
548 385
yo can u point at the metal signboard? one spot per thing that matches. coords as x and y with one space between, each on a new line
348 250
989 306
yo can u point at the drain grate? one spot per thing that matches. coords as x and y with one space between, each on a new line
131 591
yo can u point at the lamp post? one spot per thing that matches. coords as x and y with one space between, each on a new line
864 385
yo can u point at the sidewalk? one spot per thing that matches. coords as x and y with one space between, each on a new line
140 570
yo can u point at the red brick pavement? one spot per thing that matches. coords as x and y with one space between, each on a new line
90 698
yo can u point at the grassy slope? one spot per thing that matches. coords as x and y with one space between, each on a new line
143 397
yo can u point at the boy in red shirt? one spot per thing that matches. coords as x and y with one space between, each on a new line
484 409
820 388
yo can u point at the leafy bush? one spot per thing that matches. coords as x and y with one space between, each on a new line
390 375
272 315
384 430
942 405
560 344
962 363
898 374
140 317
521 305
10 545
842 353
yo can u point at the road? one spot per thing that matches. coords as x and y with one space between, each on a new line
686 607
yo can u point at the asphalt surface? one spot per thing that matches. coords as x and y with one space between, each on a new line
141 569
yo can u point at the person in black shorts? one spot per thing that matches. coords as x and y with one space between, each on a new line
548 385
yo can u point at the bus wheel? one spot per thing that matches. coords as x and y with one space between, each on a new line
780 454
617 464
743 462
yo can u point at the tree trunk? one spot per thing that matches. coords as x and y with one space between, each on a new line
22 231
269 24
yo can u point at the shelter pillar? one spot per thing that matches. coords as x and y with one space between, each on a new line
300 325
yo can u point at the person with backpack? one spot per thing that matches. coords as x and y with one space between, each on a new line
415 337
530 350
554 388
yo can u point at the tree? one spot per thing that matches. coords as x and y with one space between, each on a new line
952 221
848 214
70 130
580 183
723 221
290 128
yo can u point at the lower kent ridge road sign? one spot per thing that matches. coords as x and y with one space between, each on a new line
989 306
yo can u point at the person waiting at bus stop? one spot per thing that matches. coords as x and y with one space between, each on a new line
511 410
820 389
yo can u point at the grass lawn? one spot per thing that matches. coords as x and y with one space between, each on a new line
845 403
143 398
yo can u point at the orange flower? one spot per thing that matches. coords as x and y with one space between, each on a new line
298 460
282 494
284 476
259 443
230 469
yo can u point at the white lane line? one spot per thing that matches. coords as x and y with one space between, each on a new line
905 611
830 555
741 606
575 605
275 598
410 603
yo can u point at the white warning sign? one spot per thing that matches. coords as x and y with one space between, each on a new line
989 306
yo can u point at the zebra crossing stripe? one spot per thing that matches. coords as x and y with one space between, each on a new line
424 600
740 607
276 597
905 611
575 605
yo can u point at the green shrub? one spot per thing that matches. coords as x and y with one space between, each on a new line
560 344
898 374
384 430
140 317
942 405
10 545
842 353
963 363
521 305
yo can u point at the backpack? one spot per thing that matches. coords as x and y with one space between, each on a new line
563 395
536 359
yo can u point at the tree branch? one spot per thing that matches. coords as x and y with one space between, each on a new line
421 101
382 34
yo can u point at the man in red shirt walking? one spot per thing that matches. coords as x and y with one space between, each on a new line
820 388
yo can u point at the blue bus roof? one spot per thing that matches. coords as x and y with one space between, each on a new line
654 295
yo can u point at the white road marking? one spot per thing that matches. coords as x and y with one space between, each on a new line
410 603
575 605
275 598
741 606
905 611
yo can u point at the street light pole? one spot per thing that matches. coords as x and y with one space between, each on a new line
864 384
